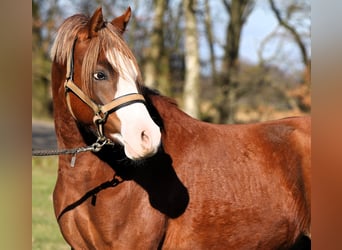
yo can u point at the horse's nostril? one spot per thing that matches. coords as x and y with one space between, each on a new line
145 138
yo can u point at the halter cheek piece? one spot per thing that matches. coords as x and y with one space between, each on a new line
100 111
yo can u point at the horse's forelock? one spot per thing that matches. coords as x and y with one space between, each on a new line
65 37
120 54
108 41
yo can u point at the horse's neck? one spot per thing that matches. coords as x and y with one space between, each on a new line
67 132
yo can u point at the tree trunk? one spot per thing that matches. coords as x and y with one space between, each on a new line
283 22
304 97
238 11
192 63
156 68
210 39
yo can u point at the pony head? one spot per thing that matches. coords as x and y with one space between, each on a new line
103 82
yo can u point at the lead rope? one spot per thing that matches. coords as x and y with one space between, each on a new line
95 147
93 194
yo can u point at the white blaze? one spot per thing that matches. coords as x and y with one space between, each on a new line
139 134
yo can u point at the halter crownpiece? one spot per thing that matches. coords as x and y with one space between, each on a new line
100 111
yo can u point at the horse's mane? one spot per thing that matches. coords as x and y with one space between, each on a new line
148 92
108 40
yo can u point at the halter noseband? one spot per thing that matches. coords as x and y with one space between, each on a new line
100 111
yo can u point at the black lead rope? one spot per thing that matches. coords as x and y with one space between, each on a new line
93 194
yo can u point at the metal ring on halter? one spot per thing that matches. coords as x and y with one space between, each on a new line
99 122
96 147
98 119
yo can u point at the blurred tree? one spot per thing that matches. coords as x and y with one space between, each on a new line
293 17
43 27
238 11
174 44
284 19
192 62
210 39
156 67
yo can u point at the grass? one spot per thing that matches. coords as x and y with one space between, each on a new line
45 231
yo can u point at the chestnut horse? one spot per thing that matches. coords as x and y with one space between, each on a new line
157 178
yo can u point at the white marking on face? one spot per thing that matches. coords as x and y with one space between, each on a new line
139 134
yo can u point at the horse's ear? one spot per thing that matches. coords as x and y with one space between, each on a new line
96 22
121 22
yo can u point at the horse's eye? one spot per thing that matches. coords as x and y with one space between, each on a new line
99 76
